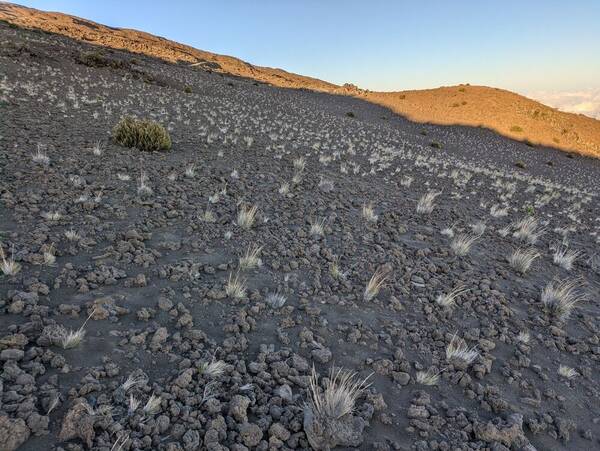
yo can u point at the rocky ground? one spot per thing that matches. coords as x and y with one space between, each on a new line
134 253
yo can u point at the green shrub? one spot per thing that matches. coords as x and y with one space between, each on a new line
96 58
516 129
350 114
143 134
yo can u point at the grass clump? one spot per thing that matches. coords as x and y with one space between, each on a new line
143 134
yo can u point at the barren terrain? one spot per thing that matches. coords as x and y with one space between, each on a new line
504 112
143 307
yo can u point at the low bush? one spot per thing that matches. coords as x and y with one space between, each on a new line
142 134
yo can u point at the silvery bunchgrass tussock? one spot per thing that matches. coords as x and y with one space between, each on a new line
276 300
152 406
132 404
561 297
251 258
234 174
190 171
567 372
73 338
212 369
326 185
97 148
172 176
246 216
504 231
53 403
458 349
236 286
368 213
522 259
49 257
429 377
72 235
425 204
497 211
133 380
317 227
297 178
461 244
284 188
528 229
8 266
123 177
449 299
564 257
207 216
523 336
120 442
144 188
338 397
448 231
40 156
406 181
375 283
335 269
52 215
299 164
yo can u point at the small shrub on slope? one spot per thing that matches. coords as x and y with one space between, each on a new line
142 134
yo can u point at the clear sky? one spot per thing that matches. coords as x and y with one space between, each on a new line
526 45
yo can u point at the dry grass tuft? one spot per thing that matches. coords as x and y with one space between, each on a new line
448 299
236 286
133 380
342 389
246 216
40 156
429 377
251 259
565 258
317 227
528 230
152 406
368 213
73 338
560 297
567 372
335 270
523 336
521 259
9 267
425 204
213 369
461 244
375 283
457 349
276 300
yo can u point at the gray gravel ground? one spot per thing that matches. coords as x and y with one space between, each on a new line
150 268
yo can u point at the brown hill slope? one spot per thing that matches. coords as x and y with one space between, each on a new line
502 111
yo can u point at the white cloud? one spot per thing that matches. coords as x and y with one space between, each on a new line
585 101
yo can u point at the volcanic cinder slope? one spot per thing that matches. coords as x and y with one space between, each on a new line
503 111
120 328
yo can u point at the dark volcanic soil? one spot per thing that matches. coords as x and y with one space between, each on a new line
151 267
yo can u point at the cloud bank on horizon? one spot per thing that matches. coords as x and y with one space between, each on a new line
586 101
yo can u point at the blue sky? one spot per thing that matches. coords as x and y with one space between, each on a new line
526 46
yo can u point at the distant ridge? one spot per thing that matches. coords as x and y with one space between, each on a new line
503 111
